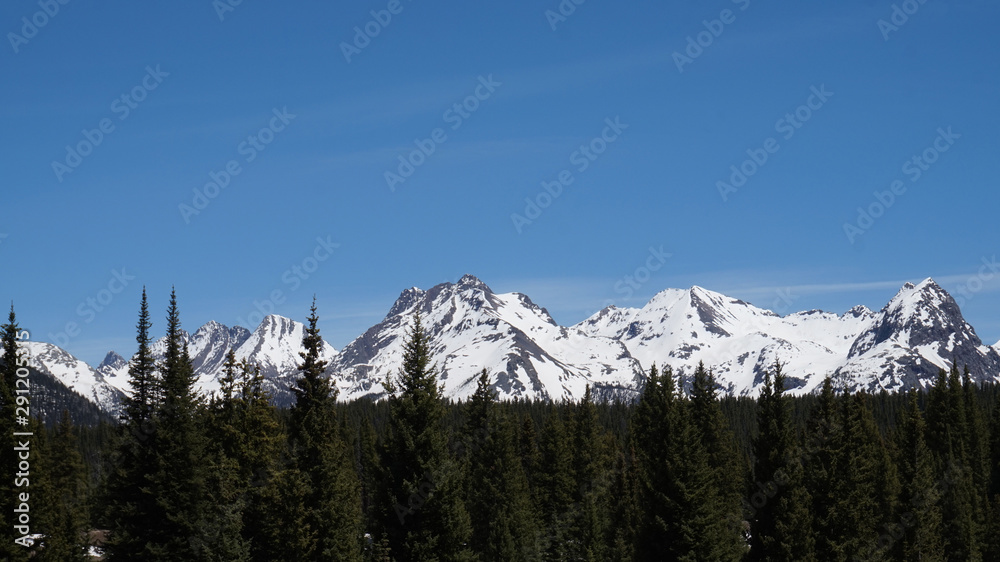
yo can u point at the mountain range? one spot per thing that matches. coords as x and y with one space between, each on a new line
529 355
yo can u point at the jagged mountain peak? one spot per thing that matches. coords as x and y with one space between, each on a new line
470 328
469 281
113 361
212 326
405 301
529 355
919 331
859 311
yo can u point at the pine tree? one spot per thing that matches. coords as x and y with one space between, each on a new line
142 402
820 469
531 455
66 500
332 501
555 486
499 502
865 487
227 485
947 427
13 359
714 432
685 512
921 510
132 508
427 519
627 514
259 441
781 528
590 527
369 473
651 417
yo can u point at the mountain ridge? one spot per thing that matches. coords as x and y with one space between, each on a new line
529 355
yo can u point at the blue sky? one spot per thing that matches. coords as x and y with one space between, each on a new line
832 104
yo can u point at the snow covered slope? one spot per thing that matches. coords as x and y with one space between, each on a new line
920 331
901 346
471 328
76 375
737 340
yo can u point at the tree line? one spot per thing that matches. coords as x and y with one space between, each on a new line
681 474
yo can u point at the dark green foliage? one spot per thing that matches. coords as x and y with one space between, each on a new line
498 497
920 495
948 440
425 518
130 501
555 486
188 526
12 359
715 434
688 510
781 519
65 498
416 477
865 487
322 476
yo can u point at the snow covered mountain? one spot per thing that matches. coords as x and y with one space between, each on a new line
274 345
918 332
471 328
76 375
901 346
737 340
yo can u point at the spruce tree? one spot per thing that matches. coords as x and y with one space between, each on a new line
555 486
626 513
67 498
590 527
142 402
11 361
426 518
781 528
920 507
499 501
226 484
823 439
947 429
687 514
332 502
132 508
258 450
729 475
865 485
